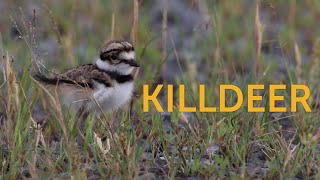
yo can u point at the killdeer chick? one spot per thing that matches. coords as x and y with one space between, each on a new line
106 85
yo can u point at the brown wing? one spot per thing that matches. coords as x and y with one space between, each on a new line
81 76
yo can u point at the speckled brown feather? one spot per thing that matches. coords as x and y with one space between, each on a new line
85 74
82 76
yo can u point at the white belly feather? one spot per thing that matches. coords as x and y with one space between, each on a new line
111 98
108 98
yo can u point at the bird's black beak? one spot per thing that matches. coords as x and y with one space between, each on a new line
133 63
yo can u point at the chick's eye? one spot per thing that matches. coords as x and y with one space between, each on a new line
113 57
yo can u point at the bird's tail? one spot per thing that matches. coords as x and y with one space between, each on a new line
45 80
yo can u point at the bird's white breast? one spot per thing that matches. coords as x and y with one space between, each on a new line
111 98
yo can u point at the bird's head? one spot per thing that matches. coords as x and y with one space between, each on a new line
117 56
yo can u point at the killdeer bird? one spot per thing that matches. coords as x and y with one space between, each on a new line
106 85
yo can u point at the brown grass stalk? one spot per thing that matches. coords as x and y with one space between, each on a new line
258 38
314 74
291 20
12 98
298 60
113 20
164 40
134 30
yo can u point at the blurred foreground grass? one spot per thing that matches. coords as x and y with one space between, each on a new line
63 34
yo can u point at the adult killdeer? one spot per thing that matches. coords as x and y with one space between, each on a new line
106 85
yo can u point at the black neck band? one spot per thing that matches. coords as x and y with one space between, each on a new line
119 77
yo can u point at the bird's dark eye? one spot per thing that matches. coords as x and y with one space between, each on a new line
113 57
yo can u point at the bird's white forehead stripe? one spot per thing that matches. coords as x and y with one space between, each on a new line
128 55
128 44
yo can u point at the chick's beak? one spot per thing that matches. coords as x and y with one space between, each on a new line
133 63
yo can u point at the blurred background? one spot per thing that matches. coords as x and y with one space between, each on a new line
202 36
205 41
